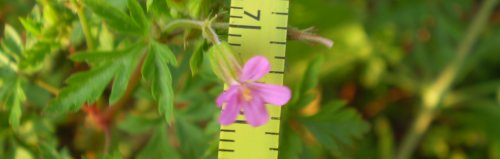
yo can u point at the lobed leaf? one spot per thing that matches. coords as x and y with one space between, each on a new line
156 70
138 15
302 96
197 57
87 87
335 126
158 146
114 17
11 42
12 95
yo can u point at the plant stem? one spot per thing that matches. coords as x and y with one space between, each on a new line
85 25
292 33
183 23
49 88
437 90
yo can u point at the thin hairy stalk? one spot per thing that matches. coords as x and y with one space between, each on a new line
433 95
85 24
292 33
49 88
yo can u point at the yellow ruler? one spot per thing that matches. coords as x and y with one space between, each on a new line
257 27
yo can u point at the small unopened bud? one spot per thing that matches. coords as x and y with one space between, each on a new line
223 62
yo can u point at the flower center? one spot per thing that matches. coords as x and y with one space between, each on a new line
246 93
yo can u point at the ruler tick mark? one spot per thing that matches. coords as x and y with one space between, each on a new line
234 7
235 16
273 149
235 35
272 133
278 42
226 150
277 72
226 140
227 130
240 122
280 57
244 26
234 44
282 28
280 13
275 118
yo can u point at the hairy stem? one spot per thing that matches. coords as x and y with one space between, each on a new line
85 25
183 23
292 33
49 88
437 90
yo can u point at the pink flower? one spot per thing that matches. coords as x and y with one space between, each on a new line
249 96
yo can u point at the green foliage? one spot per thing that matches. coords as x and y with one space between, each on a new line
12 95
87 87
197 58
158 146
11 42
310 80
335 126
125 62
156 69
49 151
116 18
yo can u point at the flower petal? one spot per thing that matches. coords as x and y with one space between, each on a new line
255 68
255 112
226 95
230 112
272 94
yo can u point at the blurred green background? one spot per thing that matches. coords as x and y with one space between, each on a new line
385 64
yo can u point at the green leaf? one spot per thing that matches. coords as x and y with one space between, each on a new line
157 7
35 56
50 151
115 155
138 15
135 125
114 17
12 95
196 7
158 146
15 101
88 86
11 42
149 3
31 26
480 118
303 101
156 69
302 96
311 75
335 126
291 143
194 140
197 58
176 4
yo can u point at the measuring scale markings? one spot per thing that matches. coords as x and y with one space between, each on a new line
257 27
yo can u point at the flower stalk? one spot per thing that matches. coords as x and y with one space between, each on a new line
432 96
